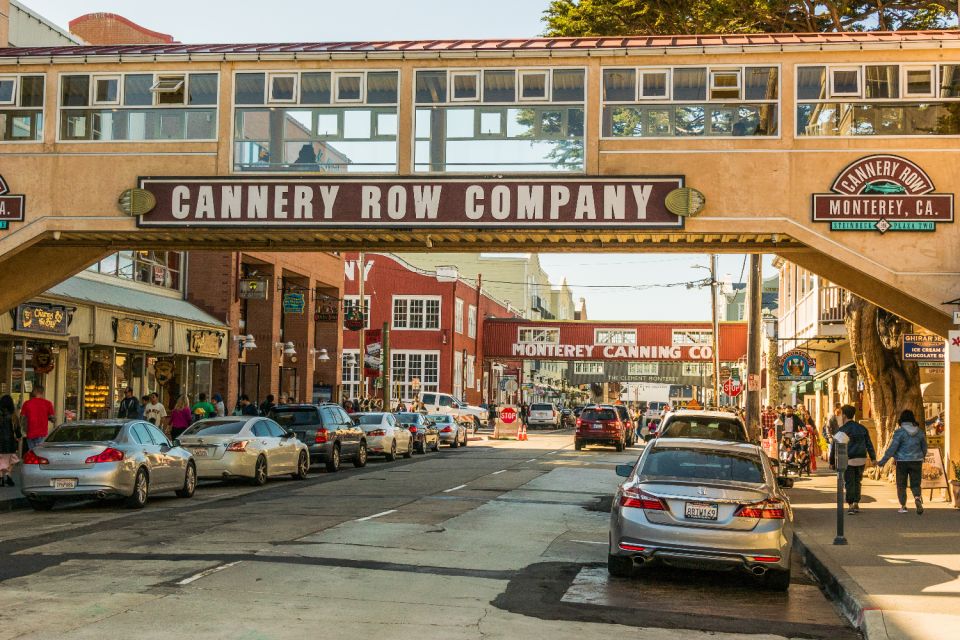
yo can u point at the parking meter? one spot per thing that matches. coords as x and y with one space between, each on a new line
840 442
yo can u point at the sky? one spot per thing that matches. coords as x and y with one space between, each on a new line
601 278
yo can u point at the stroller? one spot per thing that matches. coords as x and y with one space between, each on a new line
795 454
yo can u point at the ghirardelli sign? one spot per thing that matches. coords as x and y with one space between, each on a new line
310 201
883 193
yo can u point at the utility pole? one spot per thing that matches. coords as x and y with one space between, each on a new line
363 328
714 286
385 365
754 342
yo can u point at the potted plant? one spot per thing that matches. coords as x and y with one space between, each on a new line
955 484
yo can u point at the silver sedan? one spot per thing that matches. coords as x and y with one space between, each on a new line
702 504
245 447
386 436
106 458
452 432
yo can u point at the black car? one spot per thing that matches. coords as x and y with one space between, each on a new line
327 430
425 433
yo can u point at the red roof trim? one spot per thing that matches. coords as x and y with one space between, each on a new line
130 23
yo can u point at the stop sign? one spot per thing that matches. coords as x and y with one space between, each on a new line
508 415
732 387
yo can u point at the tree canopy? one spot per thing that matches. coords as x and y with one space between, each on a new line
658 17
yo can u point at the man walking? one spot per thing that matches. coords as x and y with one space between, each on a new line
129 407
858 448
38 413
768 420
789 423
908 448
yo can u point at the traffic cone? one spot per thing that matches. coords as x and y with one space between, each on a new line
522 436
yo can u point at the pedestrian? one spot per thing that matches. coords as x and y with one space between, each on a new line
908 448
202 408
859 448
129 407
291 400
10 437
401 408
154 412
144 401
180 417
813 442
768 420
218 404
38 413
247 408
356 406
789 423
267 405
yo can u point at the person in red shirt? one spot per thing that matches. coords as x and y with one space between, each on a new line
38 413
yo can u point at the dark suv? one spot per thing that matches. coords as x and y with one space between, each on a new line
630 428
600 425
327 430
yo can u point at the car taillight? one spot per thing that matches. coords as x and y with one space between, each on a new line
446 430
107 455
413 428
616 423
31 458
763 558
579 422
239 445
766 510
639 500
321 436
377 432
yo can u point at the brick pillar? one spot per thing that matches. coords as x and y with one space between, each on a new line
263 321
298 329
328 335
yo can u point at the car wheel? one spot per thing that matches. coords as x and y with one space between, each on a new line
360 460
409 452
455 442
578 446
619 566
303 466
141 489
465 438
189 482
393 451
333 463
260 472
777 580
436 445
421 446
619 445
476 424
39 504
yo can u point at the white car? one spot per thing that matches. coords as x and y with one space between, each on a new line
446 403
245 447
544 414
386 436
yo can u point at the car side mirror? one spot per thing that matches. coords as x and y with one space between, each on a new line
624 470
784 483
176 442
289 434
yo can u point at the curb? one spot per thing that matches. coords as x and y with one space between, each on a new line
853 602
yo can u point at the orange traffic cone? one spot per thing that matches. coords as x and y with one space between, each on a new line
522 436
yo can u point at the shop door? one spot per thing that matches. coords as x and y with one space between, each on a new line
288 383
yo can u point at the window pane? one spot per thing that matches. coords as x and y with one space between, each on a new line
465 87
690 84
950 81
654 85
760 83
250 88
382 87
619 85
568 85
75 91
6 90
31 91
107 89
348 88
534 85
281 88
498 86
811 83
846 81
883 81
431 86
315 88
203 88
136 90
919 81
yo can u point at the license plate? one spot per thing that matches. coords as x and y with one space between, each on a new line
701 511
64 483
596 426
199 453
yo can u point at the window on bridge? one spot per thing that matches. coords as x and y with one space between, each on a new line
21 108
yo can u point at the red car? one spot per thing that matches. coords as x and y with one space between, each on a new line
600 425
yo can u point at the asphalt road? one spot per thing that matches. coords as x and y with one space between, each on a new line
498 540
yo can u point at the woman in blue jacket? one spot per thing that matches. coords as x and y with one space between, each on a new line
908 448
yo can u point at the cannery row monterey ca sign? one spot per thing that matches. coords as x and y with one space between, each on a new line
883 193
411 203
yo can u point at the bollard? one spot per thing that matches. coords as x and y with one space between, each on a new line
840 442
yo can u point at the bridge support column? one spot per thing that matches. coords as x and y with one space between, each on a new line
33 270
951 392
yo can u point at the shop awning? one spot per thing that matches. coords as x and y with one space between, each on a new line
133 300
829 373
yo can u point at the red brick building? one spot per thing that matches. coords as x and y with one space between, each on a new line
435 321
109 28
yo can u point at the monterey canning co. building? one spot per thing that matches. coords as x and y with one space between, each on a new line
587 144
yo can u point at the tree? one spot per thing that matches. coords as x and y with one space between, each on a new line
671 17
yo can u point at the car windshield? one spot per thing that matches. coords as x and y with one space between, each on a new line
701 465
441 417
214 428
408 418
369 418
599 414
541 407
706 428
85 433
293 417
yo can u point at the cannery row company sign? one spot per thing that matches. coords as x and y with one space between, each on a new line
687 353
883 193
411 203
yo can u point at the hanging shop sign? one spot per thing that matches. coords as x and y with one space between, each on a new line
924 349
254 288
12 208
248 201
883 193
164 371
43 359
326 309
138 333
372 353
797 366
294 303
205 342
51 319
354 317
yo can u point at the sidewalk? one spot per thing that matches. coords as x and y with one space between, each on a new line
10 497
899 575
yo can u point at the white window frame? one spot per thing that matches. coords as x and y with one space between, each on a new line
706 333
457 375
451 97
523 73
831 70
350 384
552 331
408 299
638 368
471 373
665 71
355 299
906 69
624 332
471 321
713 87
336 87
458 315
426 386
93 90
15 93
296 88
157 90
581 368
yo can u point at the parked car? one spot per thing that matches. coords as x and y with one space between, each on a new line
567 418
630 429
451 431
103 459
446 403
600 425
689 502
327 430
385 435
425 433
543 414
705 425
245 447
